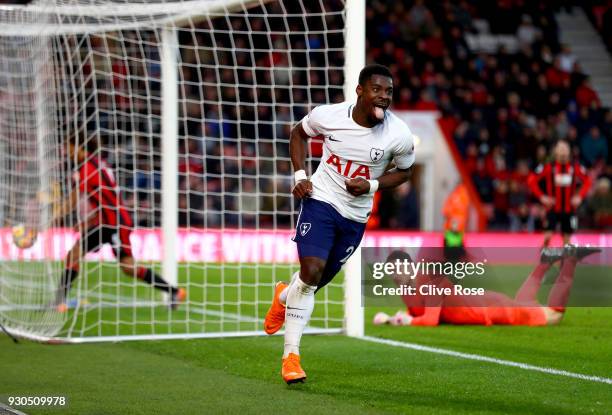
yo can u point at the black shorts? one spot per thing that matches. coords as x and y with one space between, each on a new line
117 236
568 222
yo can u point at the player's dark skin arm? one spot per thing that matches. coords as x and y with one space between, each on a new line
392 178
297 150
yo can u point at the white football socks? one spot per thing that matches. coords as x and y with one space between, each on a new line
282 297
300 303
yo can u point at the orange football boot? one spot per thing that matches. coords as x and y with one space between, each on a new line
291 370
275 317
179 296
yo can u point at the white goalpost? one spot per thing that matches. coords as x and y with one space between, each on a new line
189 103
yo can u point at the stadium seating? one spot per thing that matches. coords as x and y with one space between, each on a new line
508 88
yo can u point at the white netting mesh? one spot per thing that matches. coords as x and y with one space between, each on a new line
247 71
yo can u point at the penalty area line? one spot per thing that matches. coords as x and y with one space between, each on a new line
480 358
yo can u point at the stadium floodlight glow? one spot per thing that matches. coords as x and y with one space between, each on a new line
190 103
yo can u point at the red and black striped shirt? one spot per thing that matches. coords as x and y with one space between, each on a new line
560 181
96 181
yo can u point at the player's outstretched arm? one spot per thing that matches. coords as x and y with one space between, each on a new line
393 178
297 150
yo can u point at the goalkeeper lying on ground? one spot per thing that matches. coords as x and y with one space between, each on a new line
492 307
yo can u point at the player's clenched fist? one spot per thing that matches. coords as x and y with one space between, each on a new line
358 186
302 189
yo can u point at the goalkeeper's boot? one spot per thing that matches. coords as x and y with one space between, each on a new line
551 255
275 317
291 370
178 296
64 306
580 252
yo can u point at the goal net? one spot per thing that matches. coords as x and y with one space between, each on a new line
189 104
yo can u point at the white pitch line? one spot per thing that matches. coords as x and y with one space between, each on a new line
10 411
470 356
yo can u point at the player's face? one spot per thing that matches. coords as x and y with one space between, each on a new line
376 96
562 152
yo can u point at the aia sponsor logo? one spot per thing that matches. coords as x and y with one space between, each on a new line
348 168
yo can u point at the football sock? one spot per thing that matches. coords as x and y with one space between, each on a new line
560 291
155 280
300 303
68 277
282 297
532 284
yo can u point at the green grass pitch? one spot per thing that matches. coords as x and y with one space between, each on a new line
241 375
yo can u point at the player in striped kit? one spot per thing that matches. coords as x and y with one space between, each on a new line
555 184
107 221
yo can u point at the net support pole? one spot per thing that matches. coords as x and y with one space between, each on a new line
169 148
41 62
354 52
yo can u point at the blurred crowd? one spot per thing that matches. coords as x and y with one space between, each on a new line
505 104
242 85
241 89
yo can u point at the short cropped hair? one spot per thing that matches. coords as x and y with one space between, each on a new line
397 254
370 70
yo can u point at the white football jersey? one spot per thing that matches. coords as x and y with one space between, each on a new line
350 151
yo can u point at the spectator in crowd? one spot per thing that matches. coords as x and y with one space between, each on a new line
586 95
567 59
456 215
191 200
527 33
594 147
400 208
598 209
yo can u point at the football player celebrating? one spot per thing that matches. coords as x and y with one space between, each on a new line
107 222
361 140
